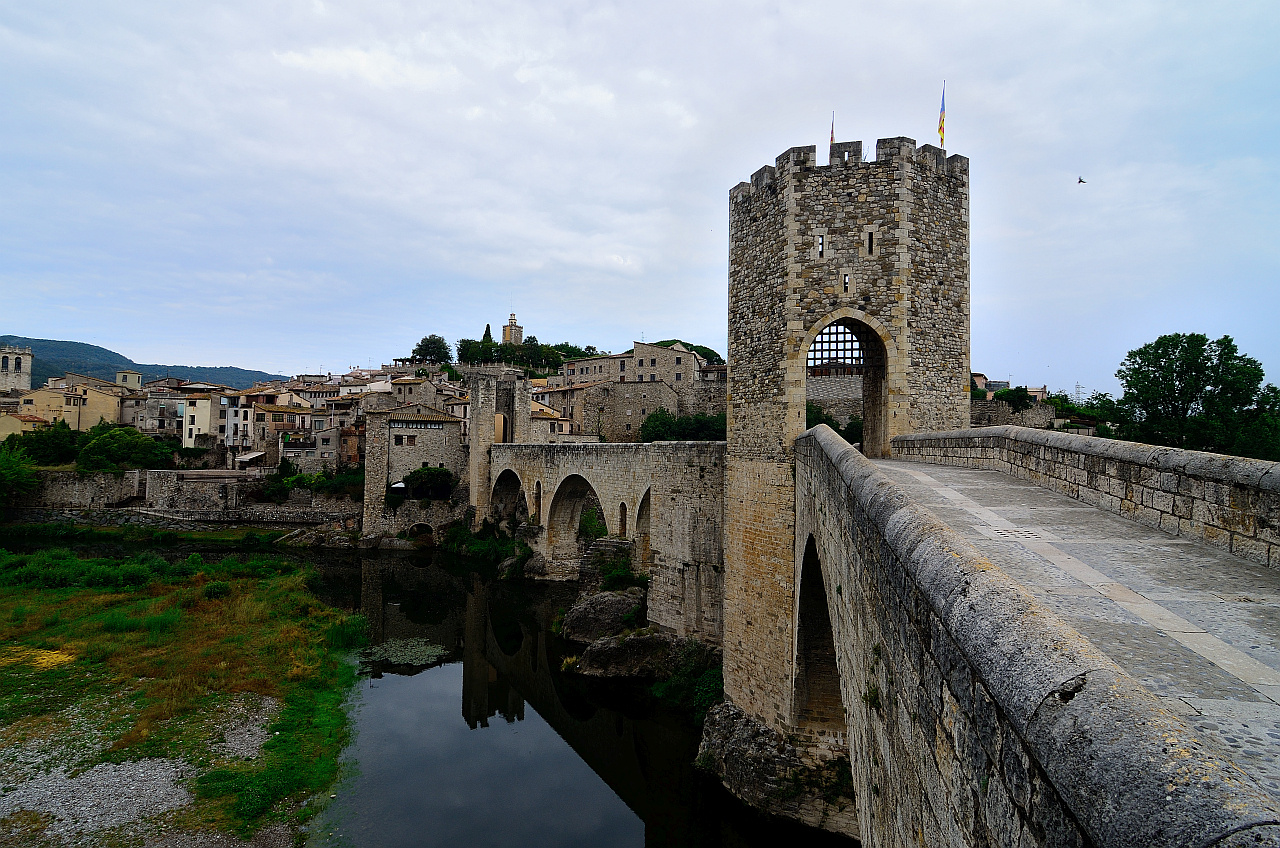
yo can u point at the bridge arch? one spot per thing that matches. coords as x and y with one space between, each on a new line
573 495
422 532
817 701
853 343
508 501
643 551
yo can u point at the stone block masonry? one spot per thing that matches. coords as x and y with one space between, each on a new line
1229 502
880 249
974 715
667 498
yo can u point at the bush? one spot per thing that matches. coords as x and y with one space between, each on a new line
1018 398
17 473
696 683
661 426
431 483
590 527
122 448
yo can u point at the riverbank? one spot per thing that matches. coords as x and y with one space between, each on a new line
148 699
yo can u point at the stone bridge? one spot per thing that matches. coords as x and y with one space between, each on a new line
1005 665
667 498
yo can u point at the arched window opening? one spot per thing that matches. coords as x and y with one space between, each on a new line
622 520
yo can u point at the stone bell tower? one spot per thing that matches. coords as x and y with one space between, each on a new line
862 263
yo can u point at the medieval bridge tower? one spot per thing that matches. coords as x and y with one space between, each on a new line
860 265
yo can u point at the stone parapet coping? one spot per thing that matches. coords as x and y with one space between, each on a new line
1130 772
1230 502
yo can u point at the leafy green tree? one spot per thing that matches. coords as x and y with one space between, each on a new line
1186 391
55 445
433 348
814 415
122 448
1018 398
705 352
661 426
977 394
17 474
487 338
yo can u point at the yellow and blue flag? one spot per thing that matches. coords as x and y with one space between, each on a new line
942 118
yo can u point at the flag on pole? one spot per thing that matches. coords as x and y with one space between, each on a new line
833 127
942 118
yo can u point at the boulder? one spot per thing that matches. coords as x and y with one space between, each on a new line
647 655
603 614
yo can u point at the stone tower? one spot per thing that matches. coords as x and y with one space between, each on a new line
862 263
15 368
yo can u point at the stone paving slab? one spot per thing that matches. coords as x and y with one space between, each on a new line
1196 626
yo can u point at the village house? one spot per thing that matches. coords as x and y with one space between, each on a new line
81 404
11 423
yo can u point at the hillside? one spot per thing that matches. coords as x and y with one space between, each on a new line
54 358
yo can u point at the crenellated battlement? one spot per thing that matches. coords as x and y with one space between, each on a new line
844 155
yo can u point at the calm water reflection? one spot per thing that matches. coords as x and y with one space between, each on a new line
493 745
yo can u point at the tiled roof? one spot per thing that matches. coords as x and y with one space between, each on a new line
424 416
271 407
571 388
29 419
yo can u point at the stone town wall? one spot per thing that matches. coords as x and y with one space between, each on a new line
996 413
975 716
70 490
615 411
704 397
674 490
841 397
169 498
1230 502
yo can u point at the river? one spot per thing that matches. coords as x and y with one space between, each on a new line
483 740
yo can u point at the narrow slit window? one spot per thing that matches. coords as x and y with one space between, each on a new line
846 283
871 243
822 246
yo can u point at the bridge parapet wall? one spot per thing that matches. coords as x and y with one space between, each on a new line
1231 502
977 717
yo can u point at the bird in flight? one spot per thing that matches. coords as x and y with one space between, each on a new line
1080 180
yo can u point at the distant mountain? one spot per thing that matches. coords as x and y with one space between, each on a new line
55 358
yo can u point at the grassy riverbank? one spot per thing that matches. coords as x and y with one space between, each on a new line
234 538
122 660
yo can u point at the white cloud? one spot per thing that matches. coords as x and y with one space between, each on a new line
404 168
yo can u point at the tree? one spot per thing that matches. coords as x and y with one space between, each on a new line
1186 391
17 473
55 445
433 348
661 426
488 335
1018 398
121 448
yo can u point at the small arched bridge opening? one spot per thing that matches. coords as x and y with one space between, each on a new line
573 497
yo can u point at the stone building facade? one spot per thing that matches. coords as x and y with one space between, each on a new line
15 368
877 253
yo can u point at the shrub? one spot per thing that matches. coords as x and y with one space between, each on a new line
430 483
217 589
121 448
17 473
590 527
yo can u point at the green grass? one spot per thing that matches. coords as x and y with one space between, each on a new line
66 534
171 641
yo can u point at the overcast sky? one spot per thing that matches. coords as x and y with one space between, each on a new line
310 185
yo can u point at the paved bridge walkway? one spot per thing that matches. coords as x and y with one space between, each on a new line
1199 628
